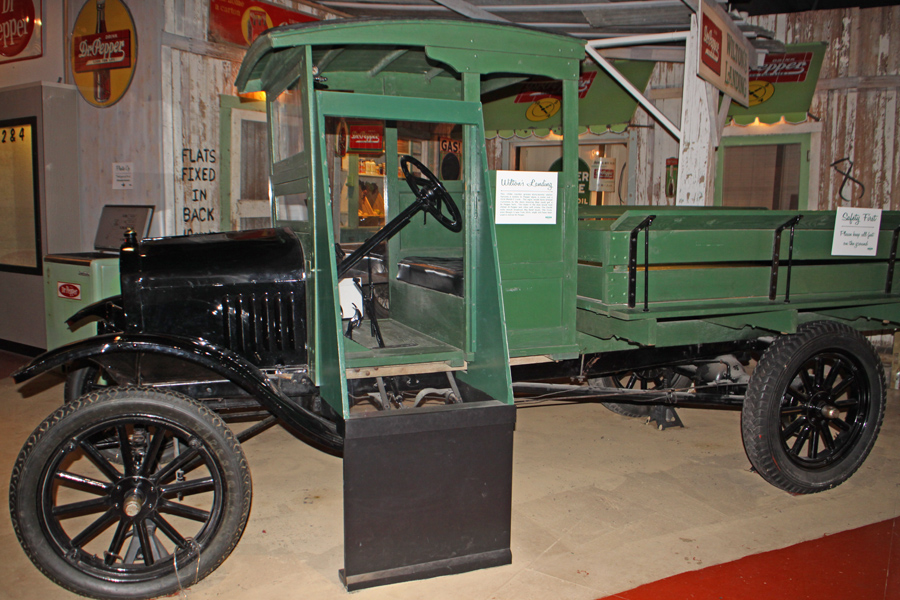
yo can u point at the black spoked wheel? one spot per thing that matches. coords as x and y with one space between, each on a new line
648 379
813 408
157 521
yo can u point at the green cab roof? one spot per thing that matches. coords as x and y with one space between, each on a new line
432 48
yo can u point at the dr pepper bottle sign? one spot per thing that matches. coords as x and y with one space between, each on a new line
104 51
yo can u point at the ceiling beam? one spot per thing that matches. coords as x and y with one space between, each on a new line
630 14
648 53
469 10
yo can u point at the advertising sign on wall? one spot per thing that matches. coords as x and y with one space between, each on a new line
104 51
783 85
365 138
240 21
538 104
725 53
21 30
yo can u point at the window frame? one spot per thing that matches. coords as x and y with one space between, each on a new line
808 135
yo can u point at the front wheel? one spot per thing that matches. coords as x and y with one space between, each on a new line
148 526
813 408
84 380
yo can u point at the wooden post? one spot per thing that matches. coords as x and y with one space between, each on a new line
700 130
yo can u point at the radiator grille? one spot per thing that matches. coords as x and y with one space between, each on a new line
263 323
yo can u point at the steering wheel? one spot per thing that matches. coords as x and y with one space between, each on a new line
432 194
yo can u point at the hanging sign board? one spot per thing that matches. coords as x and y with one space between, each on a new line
725 53
538 104
783 85
856 232
21 31
526 197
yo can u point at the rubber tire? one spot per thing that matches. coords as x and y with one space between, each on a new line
54 434
635 411
80 382
761 413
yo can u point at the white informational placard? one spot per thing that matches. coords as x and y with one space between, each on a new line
123 176
856 232
603 175
526 197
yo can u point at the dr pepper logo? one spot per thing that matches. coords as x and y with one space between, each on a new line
16 26
711 46
104 51
108 50
783 68
70 291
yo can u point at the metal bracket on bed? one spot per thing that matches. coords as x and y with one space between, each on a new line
890 272
776 253
632 262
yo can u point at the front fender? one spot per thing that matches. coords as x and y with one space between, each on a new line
108 310
219 360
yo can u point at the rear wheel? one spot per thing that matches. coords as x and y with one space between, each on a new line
156 522
648 379
813 408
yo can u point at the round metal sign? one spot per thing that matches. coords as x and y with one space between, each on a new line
104 51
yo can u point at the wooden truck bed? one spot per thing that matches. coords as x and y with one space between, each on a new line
660 276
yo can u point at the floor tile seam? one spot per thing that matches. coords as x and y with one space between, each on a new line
531 566
563 580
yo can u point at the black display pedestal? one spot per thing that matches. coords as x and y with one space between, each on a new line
427 492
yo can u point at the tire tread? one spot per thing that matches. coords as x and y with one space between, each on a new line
185 577
763 385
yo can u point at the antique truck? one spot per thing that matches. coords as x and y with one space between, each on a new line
136 486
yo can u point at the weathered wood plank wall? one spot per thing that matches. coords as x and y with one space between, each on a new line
654 143
128 131
856 101
195 72
856 98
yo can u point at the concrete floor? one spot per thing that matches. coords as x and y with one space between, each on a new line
601 504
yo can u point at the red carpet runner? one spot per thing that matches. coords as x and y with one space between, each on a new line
859 564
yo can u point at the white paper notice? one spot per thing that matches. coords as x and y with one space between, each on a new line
856 232
123 176
526 197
